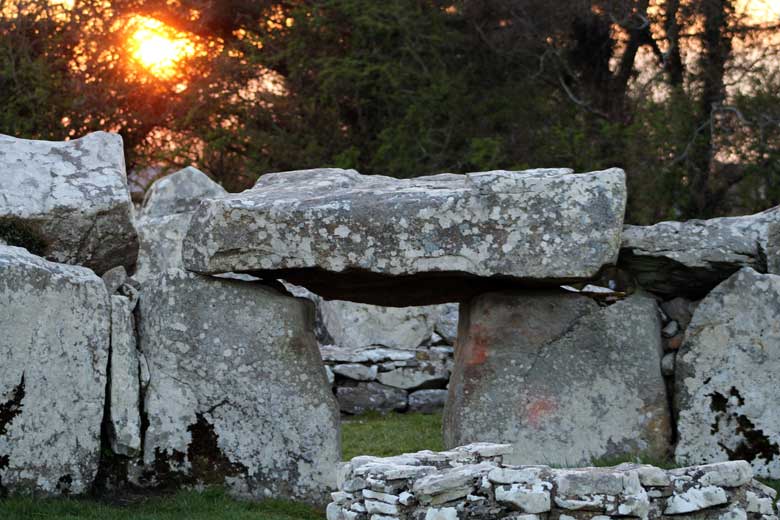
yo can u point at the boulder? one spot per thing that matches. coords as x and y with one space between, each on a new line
561 378
726 397
238 394
690 258
124 386
401 242
179 192
68 201
367 397
356 325
54 345
165 217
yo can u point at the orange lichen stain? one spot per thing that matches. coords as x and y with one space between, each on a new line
538 409
476 346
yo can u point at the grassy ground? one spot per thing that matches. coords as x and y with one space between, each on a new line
372 434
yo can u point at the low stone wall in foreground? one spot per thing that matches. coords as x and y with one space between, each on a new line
471 482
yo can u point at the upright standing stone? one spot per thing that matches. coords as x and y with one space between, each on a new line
238 394
727 397
691 258
68 201
125 380
562 379
54 340
402 242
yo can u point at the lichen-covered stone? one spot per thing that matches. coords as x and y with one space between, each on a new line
427 401
70 199
690 258
238 395
54 343
400 242
561 378
469 483
125 380
160 240
179 192
726 392
357 325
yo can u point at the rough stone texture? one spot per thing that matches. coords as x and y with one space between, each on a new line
372 396
238 394
773 249
125 382
447 324
690 258
54 343
160 240
726 389
72 197
561 378
427 401
179 192
356 325
474 482
374 239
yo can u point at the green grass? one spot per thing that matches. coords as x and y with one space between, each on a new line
187 505
372 434
392 434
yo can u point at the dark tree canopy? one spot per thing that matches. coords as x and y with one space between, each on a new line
683 94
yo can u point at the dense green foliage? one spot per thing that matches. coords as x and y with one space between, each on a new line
685 95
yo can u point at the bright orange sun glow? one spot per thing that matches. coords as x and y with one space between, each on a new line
158 47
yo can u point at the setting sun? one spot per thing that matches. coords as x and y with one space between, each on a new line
158 47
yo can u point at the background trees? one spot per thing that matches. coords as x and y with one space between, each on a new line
683 94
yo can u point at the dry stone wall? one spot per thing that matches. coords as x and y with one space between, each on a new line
474 482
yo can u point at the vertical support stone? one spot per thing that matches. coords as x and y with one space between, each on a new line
238 394
561 378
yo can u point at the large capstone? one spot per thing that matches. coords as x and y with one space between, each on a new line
238 394
385 241
68 201
54 343
690 258
561 378
726 392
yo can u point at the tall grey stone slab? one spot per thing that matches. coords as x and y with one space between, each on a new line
691 258
561 378
773 249
68 200
54 343
125 387
179 192
238 394
726 397
401 242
